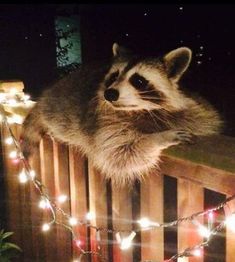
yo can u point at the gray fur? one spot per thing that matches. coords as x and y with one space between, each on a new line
124 138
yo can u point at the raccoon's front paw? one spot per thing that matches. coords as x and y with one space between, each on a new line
183 136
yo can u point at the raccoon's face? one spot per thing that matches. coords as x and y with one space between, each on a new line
137 84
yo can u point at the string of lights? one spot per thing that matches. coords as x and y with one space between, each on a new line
16 99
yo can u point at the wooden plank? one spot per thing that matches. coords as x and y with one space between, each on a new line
78 196
25 211
122 220
190 198
11 170
230 235
37 243
62 187
152 242
47 174
98 207
208 177
205 152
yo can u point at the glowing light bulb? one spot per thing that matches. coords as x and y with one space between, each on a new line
203 231
32 174
13 91
78 242
12 102
127 242
13 154
62 198
211 215
9 140
44 203
2 97
26 97
197 252
45 227
230 222
23 177
144 222
15 119
73 221
90 216
18 119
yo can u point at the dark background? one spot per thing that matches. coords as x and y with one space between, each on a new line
28 51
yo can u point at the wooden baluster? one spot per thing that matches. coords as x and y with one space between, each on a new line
122 219
78 196
230 235
98 207
47 174
61 173
190 200
152 242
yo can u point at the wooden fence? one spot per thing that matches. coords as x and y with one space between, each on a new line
192 178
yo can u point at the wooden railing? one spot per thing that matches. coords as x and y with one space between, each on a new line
188 179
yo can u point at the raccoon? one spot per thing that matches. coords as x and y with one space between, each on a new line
123 114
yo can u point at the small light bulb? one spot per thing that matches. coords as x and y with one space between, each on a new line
211 215
62 198
13 91
127 242
45 227
23 177
144 222
90 216
9 140
32 174
17 119
197 252
13 154
230 222
78 242
44 203
73 221
26 97
204 232
2 97
12 102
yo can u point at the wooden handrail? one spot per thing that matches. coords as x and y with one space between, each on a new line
214 151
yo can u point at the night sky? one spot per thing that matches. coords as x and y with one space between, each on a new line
28 52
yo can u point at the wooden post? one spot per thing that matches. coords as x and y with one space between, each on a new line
190 200
12 190
122 219
36 213
61 173
78 196
152 242
230 235
47 174
98 207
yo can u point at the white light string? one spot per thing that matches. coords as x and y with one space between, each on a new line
69 222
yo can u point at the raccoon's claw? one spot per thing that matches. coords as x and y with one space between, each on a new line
183 136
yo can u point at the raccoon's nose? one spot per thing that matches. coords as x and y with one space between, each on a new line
111 94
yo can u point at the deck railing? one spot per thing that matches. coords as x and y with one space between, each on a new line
191 179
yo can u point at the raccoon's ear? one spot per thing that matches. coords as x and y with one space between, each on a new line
177 62
120 51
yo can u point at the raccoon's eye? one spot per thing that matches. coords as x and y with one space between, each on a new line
112 78
138 81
